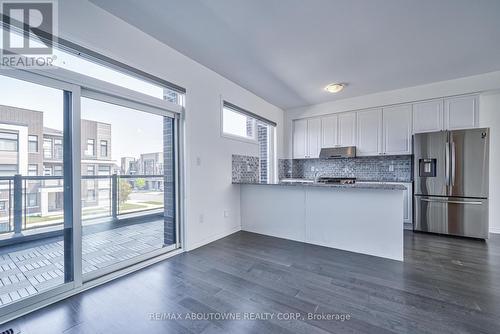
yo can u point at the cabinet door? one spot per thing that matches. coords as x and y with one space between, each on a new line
300 139
329 131
313 137
397 130
428 116
347 129
369 129
461 112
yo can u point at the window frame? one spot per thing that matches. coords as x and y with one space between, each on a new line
30 141
251 140
101 146
10 140
30 170
51 141
90 141
78 85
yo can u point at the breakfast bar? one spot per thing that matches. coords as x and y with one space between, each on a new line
361 218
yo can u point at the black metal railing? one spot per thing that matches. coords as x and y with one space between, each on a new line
21 212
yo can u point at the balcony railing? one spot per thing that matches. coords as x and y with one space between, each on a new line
30 202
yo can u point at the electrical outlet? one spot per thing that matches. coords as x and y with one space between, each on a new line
198 161
201 219
313 168
391 168
226 213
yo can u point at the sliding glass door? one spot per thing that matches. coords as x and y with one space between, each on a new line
127 184
89 183
36 212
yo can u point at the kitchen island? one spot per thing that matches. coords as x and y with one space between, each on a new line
361 218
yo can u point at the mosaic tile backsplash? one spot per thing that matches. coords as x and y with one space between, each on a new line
245 169
385 168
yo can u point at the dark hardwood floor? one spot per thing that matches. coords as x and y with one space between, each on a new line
445 285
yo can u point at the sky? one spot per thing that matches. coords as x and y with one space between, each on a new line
132 132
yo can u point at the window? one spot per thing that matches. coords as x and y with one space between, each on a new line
47 171
104 170
8 141
91 195
32 144
3 206
8 170
58 149
47 148
32 170
237 124
90 151
32 199
104 148
90 170
58 170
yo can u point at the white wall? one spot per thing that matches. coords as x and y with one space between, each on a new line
208 187
489 116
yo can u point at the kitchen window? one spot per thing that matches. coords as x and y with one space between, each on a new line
90 151
104 148
32 144
8 141
237 124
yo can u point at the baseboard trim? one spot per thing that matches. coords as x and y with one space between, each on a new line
212 238
494 230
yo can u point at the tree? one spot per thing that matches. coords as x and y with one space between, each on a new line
140 183
125 190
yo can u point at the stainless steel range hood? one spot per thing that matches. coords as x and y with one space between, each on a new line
338 152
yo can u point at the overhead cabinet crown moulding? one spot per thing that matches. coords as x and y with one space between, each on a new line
383 131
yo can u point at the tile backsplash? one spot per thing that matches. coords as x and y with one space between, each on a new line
245 169
379 168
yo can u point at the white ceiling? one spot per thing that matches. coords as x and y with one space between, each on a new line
286 51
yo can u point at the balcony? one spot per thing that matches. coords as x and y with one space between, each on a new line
123 217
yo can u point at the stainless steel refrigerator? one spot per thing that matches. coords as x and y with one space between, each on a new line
451 182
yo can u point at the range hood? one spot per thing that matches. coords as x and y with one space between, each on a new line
338 152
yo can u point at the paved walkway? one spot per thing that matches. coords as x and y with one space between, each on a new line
27 272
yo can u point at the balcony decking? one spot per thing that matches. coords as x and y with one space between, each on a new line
31 268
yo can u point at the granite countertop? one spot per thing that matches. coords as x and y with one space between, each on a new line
361 185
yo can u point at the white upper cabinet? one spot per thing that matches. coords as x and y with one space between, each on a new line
313 137
347 129
300 138
329 131
306 138
369 130
461 112
428 116
397 129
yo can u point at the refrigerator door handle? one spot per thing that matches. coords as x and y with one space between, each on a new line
453 163
451 202
447 163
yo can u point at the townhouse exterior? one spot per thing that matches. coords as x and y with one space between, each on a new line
29 148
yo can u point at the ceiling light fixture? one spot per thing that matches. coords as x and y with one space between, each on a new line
335 87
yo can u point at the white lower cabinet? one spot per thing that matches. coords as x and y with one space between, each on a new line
408 202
